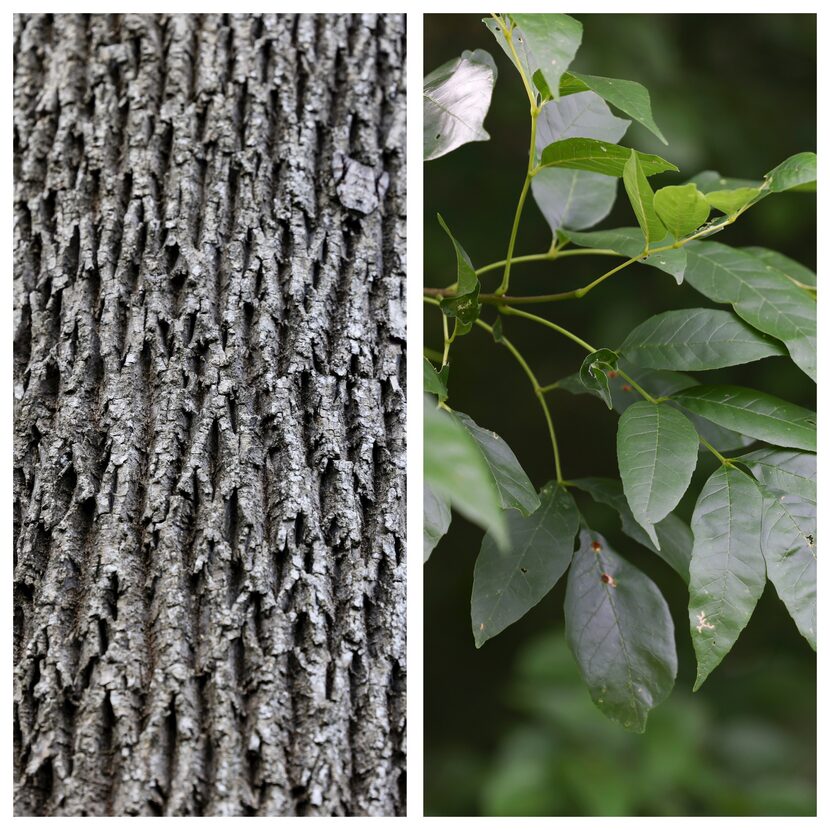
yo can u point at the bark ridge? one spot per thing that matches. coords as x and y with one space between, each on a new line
209 446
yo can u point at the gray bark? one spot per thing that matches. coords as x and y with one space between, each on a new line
209 415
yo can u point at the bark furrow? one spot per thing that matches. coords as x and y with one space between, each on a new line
209 446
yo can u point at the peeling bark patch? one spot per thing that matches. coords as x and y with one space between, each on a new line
209 445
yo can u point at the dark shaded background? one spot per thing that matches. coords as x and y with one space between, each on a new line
510 729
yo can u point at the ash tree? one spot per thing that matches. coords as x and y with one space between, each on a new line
209 415
754 520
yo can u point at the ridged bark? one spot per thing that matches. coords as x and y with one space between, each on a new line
209 415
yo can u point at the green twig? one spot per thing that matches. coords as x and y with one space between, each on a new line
551 325
537 391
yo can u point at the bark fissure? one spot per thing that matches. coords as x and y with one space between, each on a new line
209 467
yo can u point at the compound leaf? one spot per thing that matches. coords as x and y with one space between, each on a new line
753 413
657 449
621 633
509 582
456 99
696 339
727 571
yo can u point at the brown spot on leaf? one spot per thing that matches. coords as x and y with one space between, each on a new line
626 388
609 580
596 547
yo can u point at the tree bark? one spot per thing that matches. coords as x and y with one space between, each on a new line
209 415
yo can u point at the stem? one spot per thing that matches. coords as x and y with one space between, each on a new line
551 325
636 386
499 298
548 256
537 391
447 340
534 113
723 460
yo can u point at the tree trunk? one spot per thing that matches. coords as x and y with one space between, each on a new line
209 415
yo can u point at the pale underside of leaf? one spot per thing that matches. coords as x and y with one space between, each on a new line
575 198
456 99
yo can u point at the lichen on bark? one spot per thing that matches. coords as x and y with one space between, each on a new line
209 446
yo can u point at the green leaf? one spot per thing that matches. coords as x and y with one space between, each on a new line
732 201
594 373
709 181
787 471
553 41
788 541
657 450
433 383
456 99
796 171
788 482
629 242
599 157
658 382
629 96
464 305
794 271
696 339
621 632
752 413
437 518
509 582
514 487
673 533
727 572
456 471
681 208
575 198
761 294
641 197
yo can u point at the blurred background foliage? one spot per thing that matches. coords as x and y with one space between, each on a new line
510 729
